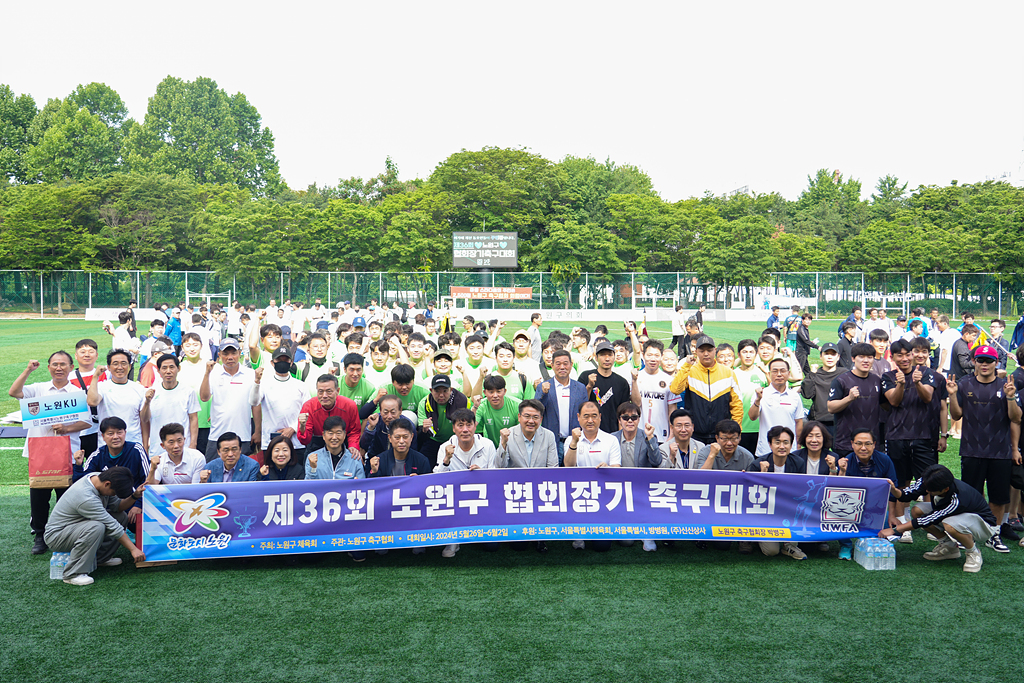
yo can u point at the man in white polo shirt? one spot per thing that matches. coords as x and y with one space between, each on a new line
170 401
280 397
120 397
227 387
588 446
176 463
59 365
776 406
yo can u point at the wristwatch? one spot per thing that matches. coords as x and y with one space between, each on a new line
944 436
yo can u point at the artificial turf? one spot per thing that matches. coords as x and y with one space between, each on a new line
626 615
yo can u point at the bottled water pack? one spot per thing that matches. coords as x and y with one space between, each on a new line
874 554
57 563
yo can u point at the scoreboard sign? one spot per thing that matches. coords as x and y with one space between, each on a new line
492 292
485 250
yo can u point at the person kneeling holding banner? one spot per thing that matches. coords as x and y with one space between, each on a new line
88 522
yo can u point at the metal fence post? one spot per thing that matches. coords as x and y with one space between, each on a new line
817 294
954 295
380 288
40 295
541 286
90 290
329 288
437 286
1000 314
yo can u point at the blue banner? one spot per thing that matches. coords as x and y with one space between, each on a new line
201 521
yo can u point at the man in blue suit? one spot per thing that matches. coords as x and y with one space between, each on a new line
230 465
562 398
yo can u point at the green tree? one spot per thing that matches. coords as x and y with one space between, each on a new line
77 145
499 190
889 197
800 253
571 248
194 129
16 115
830 208
731 253
46 227
584 186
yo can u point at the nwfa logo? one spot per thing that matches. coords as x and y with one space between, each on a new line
841 509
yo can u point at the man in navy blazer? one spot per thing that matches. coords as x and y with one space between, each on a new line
230 465
562 398
644 451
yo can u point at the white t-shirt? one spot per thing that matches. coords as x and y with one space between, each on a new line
229 402
124 401
45 389
167 406
204 335
124 341
812 466
778 409
281 402
186 472
298 320
946 340
654 401
603 449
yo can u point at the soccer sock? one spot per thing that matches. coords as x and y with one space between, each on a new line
1006 517
902 519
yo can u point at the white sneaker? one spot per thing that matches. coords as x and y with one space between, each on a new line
578 545
906 537
650 546
943 551
932 537
450 550
973 563
79 580
112 562
793 550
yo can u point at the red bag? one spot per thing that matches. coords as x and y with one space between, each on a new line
49 462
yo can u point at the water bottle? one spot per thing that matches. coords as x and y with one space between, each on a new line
872 555
892 557
56 570
64 558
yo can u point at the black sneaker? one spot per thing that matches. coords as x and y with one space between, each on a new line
39 545
1006 531
1017 524
997 544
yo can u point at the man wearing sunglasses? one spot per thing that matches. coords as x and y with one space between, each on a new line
991 422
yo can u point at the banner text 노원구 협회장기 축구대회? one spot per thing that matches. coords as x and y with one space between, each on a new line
201 521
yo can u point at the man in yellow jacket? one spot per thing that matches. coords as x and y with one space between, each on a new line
712 393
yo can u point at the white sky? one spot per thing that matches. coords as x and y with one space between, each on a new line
701 95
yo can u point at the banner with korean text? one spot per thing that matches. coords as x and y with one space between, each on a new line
200 521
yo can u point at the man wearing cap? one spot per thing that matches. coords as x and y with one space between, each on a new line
606 387
433 412
991 415
228 387
280 399
173 329
773 319
524 361
816 385
712 392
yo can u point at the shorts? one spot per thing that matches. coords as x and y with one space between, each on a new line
967 523
975 472
912 457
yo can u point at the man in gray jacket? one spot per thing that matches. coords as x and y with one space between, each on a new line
528 444
88 522
639 449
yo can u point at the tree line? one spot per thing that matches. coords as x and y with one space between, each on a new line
196 185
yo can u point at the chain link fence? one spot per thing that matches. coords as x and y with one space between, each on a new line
829 294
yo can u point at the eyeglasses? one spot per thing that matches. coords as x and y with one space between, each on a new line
728 439
629 418
984 360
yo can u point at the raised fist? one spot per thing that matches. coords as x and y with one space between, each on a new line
302 420
576 432
591 381
204 476
381 393
259 375
449 451
855 392
759 391
311 459
764 466
33 365
545 387
150 393
154 461
673 451
504 436
830 460
210 365
428 424
79 457
371 421
648 430
374 463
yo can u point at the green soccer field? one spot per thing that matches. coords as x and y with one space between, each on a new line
677 614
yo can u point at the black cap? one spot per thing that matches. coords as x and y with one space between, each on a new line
828 347
441 382
229 343
603 346
703 340
282 352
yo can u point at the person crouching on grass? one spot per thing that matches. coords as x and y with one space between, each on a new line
956 513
